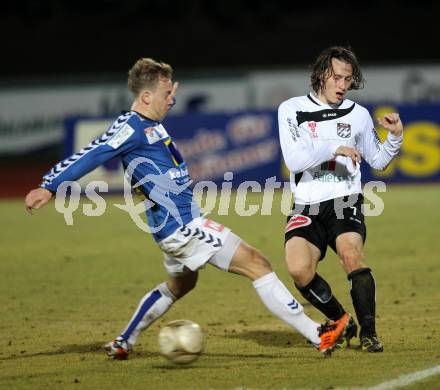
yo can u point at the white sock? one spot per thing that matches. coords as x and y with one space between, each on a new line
281 303
153 305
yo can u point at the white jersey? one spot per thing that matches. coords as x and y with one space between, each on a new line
310 133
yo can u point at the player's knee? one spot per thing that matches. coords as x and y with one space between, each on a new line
301 273
260 261
182 285
180 290
249 262
257 265
352 258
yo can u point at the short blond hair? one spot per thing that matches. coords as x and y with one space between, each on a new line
146 73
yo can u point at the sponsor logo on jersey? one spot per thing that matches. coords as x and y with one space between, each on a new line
293 129
209 223
180 176
343 130
120 136
155 134
376 138
312 128
297 221
322 115
178 173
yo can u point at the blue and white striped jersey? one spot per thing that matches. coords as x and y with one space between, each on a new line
155 164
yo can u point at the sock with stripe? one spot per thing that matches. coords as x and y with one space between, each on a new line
152 306
278 299
319 294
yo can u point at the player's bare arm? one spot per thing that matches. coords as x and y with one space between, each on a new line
37 198
392 123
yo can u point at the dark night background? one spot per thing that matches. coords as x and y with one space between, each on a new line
48 38
56 43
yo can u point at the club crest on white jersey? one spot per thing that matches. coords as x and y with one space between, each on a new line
343 130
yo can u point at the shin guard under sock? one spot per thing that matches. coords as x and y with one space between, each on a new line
363 294
319 294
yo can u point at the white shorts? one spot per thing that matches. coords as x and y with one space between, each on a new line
199 242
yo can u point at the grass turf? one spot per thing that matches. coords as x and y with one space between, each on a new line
66 290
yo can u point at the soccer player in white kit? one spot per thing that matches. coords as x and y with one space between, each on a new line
323 138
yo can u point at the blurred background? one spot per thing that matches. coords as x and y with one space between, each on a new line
64 67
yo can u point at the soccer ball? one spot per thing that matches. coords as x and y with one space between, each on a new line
181 341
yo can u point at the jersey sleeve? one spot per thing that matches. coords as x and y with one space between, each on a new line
119 139
297 147
376 154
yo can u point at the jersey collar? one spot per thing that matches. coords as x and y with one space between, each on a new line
146 117
316 101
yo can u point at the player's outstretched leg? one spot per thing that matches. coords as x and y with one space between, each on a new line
276 297
152 306
332 332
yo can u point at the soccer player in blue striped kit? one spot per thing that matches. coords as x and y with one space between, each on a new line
187 240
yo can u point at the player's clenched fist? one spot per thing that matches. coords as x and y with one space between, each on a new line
392 123
36 199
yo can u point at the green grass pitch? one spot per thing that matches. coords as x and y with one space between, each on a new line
66 290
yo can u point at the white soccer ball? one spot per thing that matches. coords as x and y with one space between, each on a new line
181 341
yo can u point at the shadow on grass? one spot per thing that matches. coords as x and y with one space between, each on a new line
277 338
95 347
274 338
171 367
206 355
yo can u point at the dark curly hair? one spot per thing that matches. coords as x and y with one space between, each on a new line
322 68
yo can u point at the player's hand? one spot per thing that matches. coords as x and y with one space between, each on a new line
37 198
349 152
392 123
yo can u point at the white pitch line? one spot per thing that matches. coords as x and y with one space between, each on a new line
401 381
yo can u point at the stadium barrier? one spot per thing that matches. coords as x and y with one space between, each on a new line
246 143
